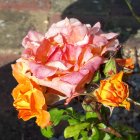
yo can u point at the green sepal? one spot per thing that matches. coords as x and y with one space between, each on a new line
110 68
96 77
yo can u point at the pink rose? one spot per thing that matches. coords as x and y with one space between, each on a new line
66 58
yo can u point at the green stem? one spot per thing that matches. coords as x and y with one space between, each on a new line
109 128
133 102
87 94
132 11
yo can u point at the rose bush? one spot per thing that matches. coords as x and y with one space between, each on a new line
70 60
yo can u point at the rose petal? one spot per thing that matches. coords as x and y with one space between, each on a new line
87 55
84 41
71 29
42 50
65 88
111 46
109 36
56 55
43 119
41 71
75 77
99 41
93 64
58 65
96 28
32 36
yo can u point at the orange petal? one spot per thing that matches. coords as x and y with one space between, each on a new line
128 63
37 100
19 70
117 76
126 104
43 118
25 114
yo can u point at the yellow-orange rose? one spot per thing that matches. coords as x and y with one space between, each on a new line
29 99
113 92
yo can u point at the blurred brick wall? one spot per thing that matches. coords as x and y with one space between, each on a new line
17 17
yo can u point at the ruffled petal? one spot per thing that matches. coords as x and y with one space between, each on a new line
41 71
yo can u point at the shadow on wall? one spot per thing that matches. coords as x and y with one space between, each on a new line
114 15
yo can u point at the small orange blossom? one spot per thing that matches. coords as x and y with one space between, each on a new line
113 92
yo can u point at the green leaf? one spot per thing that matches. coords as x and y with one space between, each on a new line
101 126
85 138
73 121
74 130
96 77
56 115
76 137
47 132
84 135
107 137
82 117
131 137
110 68
65 117
70 110
119 138
95 134
90 115
86 107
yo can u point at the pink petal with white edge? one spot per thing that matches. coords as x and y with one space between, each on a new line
59 39
84 41
87 55
51 32
32 36
59 65
99 41
72 29
78 34
41 71
62 27
96 28
74 22
109 36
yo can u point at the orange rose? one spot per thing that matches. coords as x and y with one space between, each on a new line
113 92
128 63
29 99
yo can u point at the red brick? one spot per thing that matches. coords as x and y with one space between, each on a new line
25 5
